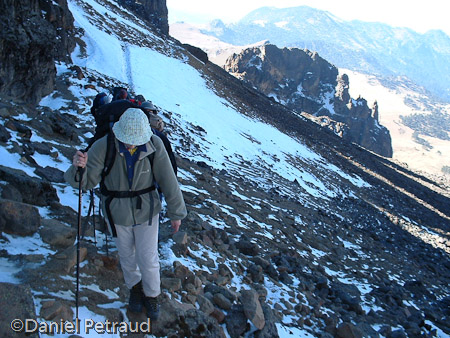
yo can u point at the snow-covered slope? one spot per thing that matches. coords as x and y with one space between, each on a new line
178 88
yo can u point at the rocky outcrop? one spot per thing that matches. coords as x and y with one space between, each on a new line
305 82
362 122
153 11
197 52
33 34
294 77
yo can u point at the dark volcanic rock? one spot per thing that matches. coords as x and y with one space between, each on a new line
197 52
236 321
18 218
33 190
16 302
153 11
305 82
33 34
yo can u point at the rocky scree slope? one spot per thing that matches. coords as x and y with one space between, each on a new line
255 250
298 256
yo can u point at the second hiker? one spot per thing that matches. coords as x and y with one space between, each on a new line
130 202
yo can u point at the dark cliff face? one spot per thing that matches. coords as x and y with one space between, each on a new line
33 35
297 78
305 82
153 11
362 122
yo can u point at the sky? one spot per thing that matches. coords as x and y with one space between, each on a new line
417 15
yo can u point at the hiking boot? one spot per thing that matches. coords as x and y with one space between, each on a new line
136 298
152 306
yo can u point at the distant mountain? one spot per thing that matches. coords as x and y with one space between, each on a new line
368 47
217 50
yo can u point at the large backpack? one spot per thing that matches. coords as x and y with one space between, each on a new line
105 118
116 92
108 114
99 100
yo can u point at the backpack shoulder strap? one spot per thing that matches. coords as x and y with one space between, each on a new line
110 155
152 155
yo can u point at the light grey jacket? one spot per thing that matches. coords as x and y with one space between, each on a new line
124 211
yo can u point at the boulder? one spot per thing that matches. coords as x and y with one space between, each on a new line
10 192
50 174
221 301
19 218
247 247
348 330
34 191
236 321
205 304
53 310
270 329
64 261
215 289
183 320
252 308
16 302
57 233
171 284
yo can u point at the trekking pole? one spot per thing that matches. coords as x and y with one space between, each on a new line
87 218
106 243
90 215
80 176
93 215
105 226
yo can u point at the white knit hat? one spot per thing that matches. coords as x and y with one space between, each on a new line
133 127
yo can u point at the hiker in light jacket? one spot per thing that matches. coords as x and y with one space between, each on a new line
157 125
135 214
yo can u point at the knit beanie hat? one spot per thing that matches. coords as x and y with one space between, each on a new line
133 127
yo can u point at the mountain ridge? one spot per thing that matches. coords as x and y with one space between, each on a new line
349 44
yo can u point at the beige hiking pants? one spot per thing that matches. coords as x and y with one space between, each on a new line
138 253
